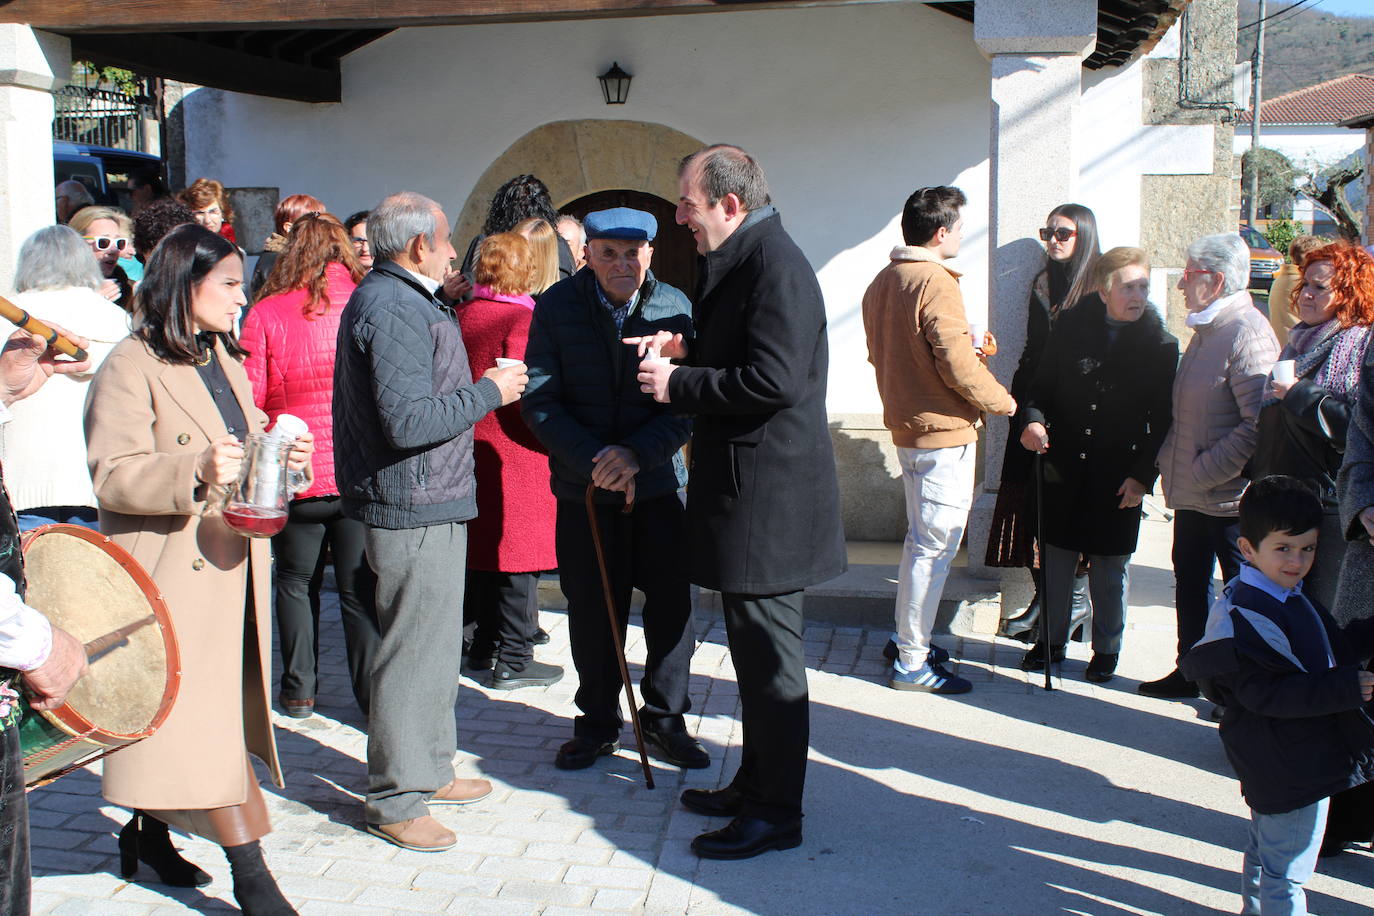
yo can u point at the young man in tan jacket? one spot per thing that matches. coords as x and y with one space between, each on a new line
935 390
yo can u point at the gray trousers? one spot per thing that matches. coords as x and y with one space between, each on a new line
1108 583
412 734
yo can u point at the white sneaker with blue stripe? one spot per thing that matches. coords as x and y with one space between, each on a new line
929 678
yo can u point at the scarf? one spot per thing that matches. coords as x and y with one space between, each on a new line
1329 355
1210 313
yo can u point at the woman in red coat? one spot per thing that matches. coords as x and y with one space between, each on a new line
511 540
290 336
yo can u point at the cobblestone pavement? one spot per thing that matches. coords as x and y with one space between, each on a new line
1090 799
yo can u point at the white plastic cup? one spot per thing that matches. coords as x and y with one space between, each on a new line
1285 371
289 428
978 332
503 362
652 355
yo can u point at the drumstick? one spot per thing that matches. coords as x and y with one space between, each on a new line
26 321
102 645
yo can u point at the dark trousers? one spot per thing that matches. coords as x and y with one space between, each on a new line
500 616
1200 542
312 525
14 826
770 665
644 550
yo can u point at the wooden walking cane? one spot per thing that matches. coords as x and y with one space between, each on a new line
611 611
1040 567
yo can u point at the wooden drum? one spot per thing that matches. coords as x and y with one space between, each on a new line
95 590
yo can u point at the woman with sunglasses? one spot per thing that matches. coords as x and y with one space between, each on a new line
101 228
291 336
1071 253
1218 393
1303 420
163 423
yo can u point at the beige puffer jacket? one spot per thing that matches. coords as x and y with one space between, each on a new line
1217 394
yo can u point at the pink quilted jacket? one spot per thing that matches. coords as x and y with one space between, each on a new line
291 365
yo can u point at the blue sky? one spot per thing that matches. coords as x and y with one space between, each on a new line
1341 7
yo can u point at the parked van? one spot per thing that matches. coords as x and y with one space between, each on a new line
102 169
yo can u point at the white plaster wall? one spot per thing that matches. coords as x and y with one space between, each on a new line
848 108
1307 147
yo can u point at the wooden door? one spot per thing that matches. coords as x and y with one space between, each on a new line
675 251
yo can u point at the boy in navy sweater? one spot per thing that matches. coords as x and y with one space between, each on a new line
1295 727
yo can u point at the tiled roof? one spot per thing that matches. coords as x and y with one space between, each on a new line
1325 103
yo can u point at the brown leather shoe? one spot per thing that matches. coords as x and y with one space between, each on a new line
298 709
421 834
461 792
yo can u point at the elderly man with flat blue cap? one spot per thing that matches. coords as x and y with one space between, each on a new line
584 404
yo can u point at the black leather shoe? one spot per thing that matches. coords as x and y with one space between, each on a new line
541 637
535 674
1102 668
580 753
1173 686
746 837
726 802
1034 659
678 748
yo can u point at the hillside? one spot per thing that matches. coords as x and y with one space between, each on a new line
1306 46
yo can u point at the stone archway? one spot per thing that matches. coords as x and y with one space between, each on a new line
577 158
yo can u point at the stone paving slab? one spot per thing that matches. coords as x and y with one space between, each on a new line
1088 799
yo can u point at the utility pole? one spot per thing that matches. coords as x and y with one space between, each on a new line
1256 72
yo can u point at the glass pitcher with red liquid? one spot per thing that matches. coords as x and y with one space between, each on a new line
257 503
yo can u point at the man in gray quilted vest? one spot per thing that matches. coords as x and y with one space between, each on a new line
404 407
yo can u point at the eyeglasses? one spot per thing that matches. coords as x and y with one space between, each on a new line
1062 234
103 242
1190 272
361 243
208 211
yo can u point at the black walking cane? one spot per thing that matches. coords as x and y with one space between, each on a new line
1040 571
615 626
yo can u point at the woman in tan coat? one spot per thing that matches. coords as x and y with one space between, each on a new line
163 423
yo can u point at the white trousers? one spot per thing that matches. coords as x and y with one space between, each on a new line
939 492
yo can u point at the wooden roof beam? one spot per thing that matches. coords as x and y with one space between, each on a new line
112 16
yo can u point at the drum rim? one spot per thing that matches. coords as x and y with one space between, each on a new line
67 718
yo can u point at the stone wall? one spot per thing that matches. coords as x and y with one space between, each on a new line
1176 209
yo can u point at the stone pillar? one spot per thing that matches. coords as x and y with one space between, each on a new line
32 65
1036 52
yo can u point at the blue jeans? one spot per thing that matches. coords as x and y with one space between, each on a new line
1280 857
39 516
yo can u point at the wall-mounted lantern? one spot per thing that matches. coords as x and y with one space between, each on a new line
615 85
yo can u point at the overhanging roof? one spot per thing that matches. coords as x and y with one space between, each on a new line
291 48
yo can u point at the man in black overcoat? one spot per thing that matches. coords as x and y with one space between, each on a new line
763 504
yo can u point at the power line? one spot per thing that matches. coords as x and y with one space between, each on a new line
1316 4
1286 9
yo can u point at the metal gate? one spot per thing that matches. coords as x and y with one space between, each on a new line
104 117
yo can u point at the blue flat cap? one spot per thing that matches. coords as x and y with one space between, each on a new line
621 223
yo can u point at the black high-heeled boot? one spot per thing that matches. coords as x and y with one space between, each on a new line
254 887
145 839
1080 610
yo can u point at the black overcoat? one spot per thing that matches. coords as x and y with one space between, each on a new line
1107 406
763 502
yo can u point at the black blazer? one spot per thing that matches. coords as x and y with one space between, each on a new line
763 501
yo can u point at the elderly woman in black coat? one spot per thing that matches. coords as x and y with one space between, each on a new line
1104 389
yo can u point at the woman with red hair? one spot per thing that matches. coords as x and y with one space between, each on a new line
511 540
290 336
1344 273
1303 421
210 206
288 211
